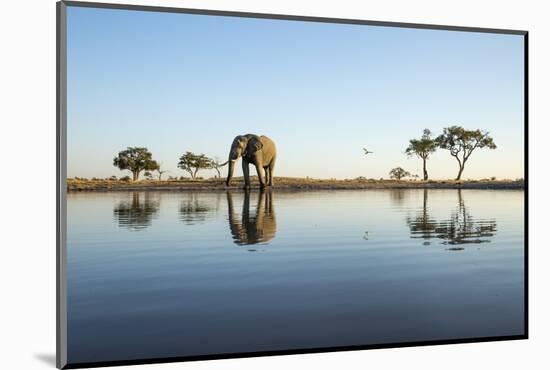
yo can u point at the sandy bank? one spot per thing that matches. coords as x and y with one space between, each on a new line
287 183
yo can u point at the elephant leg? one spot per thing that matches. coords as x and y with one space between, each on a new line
246 174
260 171
271 168
267 175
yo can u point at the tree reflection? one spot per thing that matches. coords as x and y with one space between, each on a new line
461 228
193 211
422 225
254 227
137 212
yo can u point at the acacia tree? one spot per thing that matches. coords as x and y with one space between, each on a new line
192 163
398 173
461 143
422 148
135 160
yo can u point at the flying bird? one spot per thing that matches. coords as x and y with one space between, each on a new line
367 152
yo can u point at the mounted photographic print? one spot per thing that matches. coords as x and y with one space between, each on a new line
237 184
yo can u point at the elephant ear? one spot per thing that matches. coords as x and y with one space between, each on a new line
254 144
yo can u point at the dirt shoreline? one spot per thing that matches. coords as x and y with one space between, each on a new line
288 184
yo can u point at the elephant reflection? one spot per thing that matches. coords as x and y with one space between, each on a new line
254 227
137 212
460 228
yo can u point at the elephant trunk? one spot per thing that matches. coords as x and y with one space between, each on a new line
230 172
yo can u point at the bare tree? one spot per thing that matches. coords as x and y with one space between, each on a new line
216 164
160 171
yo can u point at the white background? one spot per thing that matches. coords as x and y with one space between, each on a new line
27 119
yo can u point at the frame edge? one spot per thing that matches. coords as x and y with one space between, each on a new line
289 17
61 193
61 201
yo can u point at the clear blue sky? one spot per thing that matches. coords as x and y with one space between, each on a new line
322 92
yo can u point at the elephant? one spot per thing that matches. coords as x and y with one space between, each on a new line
258 150
256 227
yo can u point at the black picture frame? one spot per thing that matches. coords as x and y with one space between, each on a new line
61 193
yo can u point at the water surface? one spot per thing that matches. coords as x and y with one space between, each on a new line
162 274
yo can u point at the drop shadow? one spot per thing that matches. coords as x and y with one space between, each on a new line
46 358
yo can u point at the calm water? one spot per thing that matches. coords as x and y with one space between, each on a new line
162 274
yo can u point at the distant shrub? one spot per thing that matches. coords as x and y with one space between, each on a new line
125 178
113 178
493 178
399 173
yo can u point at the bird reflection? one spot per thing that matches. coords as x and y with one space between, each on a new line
137 212
193 211
461 228
256 226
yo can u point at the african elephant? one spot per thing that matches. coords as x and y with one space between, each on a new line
258 150
253 227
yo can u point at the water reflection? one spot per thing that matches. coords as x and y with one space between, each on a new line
193 211
398 196
174 289
137 212
461 228
258 226
422 225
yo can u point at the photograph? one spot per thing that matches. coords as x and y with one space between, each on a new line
240 185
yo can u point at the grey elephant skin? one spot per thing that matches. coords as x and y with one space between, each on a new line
257 150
